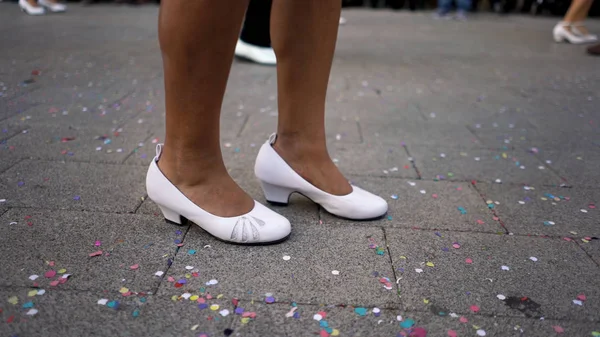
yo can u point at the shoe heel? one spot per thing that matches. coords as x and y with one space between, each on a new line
172 217
276 195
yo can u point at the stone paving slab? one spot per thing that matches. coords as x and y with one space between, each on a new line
315 251
579 168
76 143
531 210
372 159
442 210
73 186
591 247
515 166
456 285
272 321
40 246
76 313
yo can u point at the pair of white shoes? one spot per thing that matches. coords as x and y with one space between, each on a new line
261 225
41 9
572 34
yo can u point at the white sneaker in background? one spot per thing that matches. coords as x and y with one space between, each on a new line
260 55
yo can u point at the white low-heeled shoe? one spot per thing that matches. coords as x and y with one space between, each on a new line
587 37
562 34
279 181
259 226
31 10
53 6
260 55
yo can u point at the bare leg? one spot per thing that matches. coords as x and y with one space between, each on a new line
303 35
578 10
197 40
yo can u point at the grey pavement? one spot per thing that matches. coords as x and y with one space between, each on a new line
482 135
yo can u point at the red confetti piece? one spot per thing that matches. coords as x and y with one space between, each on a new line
558 329
468 261
10 319
324 333
178 285
452 333
50 274
98 253
35 72
322 313
67 139
474 308
235 301
581 297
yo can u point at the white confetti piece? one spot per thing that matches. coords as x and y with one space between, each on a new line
477 159
33 277
66 276
41 292
411 183
31 312
521 202
419 270
376 310
505 268
533 258
423 191
2 200
102 301
501 297
541 167
291 312
498 181
224 312
578 302
287 257
193 328
583 210
189 267
186 295
481 332
335 272
159 273
453 315
399 318
317 317
212 282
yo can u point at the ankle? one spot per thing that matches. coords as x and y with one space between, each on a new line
301 147
190 170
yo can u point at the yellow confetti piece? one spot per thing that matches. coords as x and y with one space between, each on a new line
476 327
572 232
214 307
335 332
504 155
62 271
464 154
188 275
579 158
584 241
13 300
219 296
403 257
32 293
194 327
429 264
544 198
194 298
426 301
123 290
174 298
245 320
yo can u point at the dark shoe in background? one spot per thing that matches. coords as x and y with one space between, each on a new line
594 50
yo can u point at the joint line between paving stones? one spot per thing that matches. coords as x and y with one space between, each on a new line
492 210
360 132
13 165
162 278
16 134
586 253
244 123
136 148
22 207
387 247
564 180
137 207
413 163
421 114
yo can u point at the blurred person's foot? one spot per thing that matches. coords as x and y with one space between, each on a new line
53 6
461 16
580 29
594 50
31 7
260 55
562 32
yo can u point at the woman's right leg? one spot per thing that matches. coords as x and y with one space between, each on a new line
578 10
197 40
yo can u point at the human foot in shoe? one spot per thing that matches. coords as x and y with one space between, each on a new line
202 192
286 166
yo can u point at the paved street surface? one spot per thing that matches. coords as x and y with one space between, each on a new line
483 137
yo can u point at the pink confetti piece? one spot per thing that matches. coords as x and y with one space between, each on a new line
170 279
435 196
456 245
51 263
463 319
98 253
474 308
496 218
50 274
452 333
481 222
468 261
459 188
567 239
134 267
558 329
98 243
581 297
54 283
322 313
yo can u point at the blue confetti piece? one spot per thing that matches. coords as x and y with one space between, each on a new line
361 311
192 251
28 305
407 323
136 313
323 323
462 210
